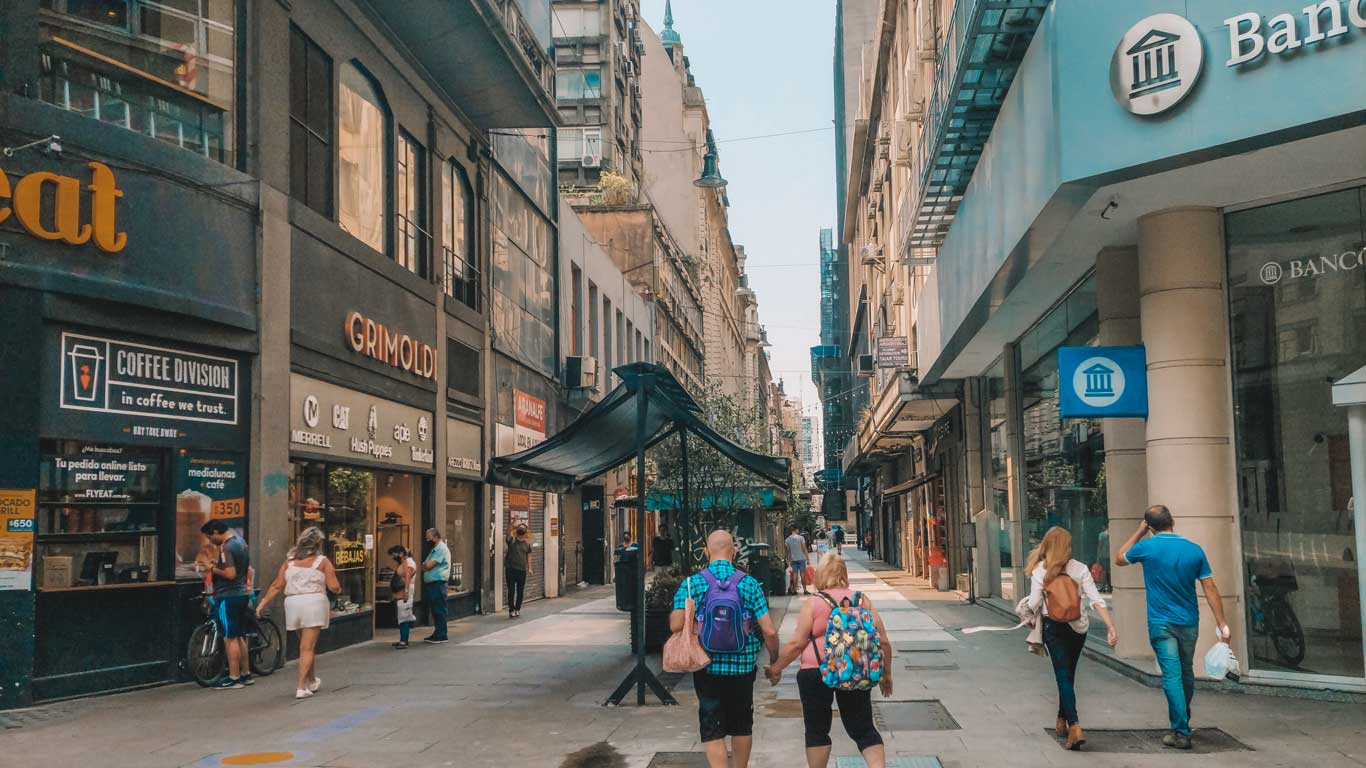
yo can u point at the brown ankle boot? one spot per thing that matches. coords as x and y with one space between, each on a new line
1061 728
1075 738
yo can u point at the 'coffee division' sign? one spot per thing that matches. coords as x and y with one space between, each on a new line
113 376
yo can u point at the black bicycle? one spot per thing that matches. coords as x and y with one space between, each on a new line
1273 616
205 658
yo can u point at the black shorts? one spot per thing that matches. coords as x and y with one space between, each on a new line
725 704
856 712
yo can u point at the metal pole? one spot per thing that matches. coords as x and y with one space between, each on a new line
642 408
1356 441
685 513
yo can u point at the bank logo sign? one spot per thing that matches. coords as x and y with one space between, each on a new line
1100 382
112 376
1156 64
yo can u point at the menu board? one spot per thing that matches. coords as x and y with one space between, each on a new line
208 486
16 539
101 473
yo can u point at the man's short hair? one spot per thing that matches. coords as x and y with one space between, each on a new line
1159 518
626 536
796 528
212 527
434 532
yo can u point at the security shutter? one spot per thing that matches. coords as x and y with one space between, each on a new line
535 577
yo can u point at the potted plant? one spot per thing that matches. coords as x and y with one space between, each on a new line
659 603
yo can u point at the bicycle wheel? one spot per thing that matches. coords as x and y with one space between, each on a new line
204 658
268 649
1286 633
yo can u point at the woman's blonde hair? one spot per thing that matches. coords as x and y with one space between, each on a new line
832 573
1054 552
309 544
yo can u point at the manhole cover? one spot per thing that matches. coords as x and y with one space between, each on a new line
21 718
679 760
915 761
932 667
924 715
1149 741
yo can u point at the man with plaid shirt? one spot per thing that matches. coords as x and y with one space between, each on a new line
725 689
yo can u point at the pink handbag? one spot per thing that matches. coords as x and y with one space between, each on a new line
682 652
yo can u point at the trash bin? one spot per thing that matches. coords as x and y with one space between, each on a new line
760 566
626 563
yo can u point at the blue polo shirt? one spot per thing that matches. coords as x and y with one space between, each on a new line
1171 566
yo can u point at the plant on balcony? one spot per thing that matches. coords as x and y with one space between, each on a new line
616 189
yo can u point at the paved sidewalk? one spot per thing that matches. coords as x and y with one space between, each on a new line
529 693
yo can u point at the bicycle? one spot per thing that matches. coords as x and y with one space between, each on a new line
1273 616
205 658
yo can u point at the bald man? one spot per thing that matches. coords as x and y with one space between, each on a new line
725 689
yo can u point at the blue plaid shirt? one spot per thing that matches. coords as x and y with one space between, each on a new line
752 595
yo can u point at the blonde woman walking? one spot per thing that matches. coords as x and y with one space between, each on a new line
306 577
1058 583
808 642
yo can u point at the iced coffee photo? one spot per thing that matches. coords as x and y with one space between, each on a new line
192 510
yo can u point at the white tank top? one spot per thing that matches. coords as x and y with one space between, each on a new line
305 581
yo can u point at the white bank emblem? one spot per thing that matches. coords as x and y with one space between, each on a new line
1156 64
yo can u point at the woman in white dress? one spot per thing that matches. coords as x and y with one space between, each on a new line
306 577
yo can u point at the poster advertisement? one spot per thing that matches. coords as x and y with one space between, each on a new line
209 486
16 539
519 508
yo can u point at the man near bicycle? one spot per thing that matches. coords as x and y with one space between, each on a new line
232 599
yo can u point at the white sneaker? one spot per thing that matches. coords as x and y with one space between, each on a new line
303 693
315 684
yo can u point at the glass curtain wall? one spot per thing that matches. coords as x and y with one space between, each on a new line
1297 292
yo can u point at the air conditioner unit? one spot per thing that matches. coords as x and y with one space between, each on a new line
898 295
581 373
904 155
872 211
866 366
871 256
591 161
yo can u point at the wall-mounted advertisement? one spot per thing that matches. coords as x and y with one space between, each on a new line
208 486
16 539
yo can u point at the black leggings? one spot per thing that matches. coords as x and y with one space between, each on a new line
856 712
516 588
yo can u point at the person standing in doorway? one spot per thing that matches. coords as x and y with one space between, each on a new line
518 558
868 543
725 689
231 599
436 571
305 577
403 588
1064 619
796 558
1172 565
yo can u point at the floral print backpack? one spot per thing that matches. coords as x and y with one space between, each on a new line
853 647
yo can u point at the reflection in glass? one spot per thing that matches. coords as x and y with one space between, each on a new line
1297 291
461 535
362 137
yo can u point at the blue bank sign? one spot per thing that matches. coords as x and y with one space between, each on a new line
1099 382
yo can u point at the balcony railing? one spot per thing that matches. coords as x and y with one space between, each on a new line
537 53
983 46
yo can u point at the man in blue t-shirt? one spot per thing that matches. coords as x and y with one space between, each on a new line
1171 566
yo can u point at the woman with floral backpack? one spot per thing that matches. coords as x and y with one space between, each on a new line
845 652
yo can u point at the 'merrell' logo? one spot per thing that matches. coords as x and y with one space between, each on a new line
26 204
1156 64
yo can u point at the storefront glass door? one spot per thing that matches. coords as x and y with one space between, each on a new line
1297 292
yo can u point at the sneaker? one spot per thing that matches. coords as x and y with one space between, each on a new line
400 644
228 683
434 640
315 684
1176 741
303 693
246 679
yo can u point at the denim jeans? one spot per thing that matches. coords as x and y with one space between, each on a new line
1174 646
1064 650
403 630
435 594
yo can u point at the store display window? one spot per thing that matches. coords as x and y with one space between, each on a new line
397 498
462 534
340 501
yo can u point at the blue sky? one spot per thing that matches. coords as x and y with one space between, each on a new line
765 67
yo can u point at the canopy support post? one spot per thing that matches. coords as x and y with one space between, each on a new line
641 676
685 514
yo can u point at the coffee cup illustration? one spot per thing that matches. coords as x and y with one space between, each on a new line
85 372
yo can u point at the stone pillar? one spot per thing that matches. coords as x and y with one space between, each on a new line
1015 472
1126 468
975 498
1190 452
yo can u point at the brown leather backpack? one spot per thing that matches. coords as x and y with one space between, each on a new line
1062 598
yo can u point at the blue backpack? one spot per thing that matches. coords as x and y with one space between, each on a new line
721 613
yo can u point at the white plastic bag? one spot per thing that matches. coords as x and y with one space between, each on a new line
1220 661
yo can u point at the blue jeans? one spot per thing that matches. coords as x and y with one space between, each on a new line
1174 646
403 629
435 594
1064 650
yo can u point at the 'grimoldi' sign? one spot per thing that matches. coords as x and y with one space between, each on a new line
26 205
400 350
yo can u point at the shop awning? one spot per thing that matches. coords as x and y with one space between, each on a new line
908 486
606 436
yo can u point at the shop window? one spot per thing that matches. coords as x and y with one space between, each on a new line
410 209
462 534
100 517
461 270
362 143
310 123
1297 294
164 69
339 502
